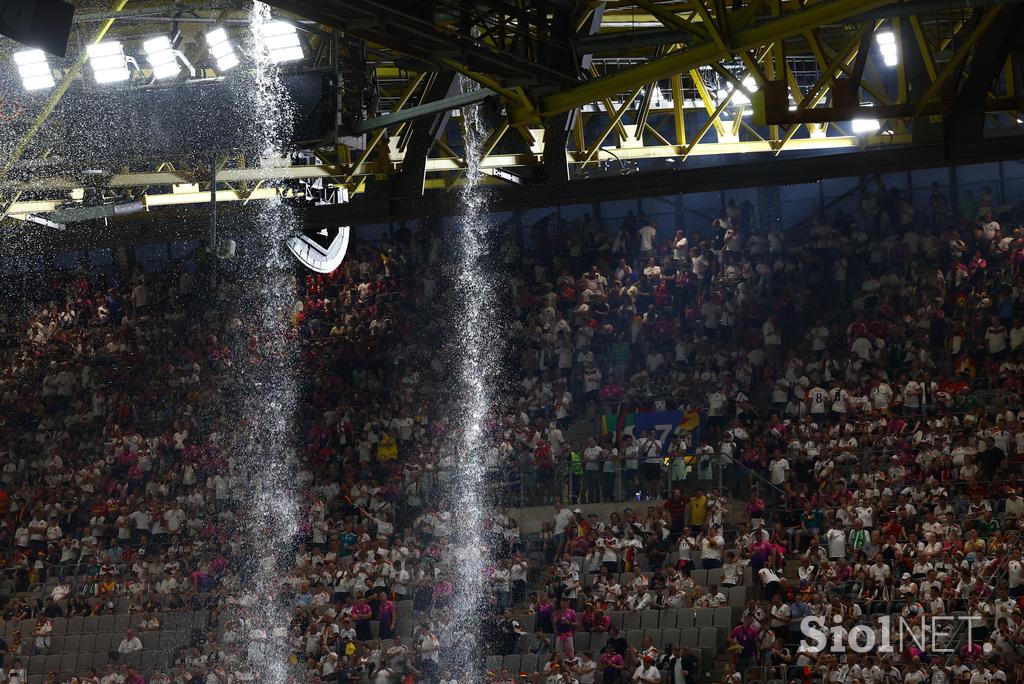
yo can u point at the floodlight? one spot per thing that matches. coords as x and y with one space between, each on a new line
887 45
34 69
221 49
282 41
740 97
108 62
865 125
161 57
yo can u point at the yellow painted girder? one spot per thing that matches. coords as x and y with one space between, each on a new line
787 25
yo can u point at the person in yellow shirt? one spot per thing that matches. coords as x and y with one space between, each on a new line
698 509
387 448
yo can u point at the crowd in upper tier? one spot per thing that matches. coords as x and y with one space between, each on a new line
859 385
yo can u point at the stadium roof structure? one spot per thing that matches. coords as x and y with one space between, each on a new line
586 98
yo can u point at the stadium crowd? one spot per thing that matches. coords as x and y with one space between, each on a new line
859 385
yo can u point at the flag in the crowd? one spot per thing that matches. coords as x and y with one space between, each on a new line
664 424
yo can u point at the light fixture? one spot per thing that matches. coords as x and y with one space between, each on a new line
161 57
740 97
282 41
34 70
887 45
108 62
221 49
865 125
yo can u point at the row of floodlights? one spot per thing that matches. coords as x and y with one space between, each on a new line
110 64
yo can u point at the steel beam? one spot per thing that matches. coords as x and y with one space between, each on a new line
957 60
673 182
429 109
787 25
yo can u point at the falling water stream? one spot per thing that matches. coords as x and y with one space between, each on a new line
475 330
267 378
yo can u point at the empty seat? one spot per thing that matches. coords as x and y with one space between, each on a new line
581 641
103 643
105 624
737 597
631 620
723 617
685 617
635 637
649 619
150 640
68 662
59 626
700 577
72 643
151 659
52 663
689 637
705 617
527 622
122 622
512 662
754 674
715 576
85 661
528 663
598 641
493 663
667 618
656 636
708 638
37 664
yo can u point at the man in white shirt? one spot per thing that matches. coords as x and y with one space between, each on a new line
647 234
646 672
818 403
130 643
880 394
836 540
711 547
562 519
1015 575
996 338
1016 335
778 468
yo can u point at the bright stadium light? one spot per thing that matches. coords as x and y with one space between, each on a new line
161 57
221 49
108 62
34 69
887 44
865 125
740 98
282 41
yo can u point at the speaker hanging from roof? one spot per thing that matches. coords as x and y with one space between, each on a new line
43 24
321 251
